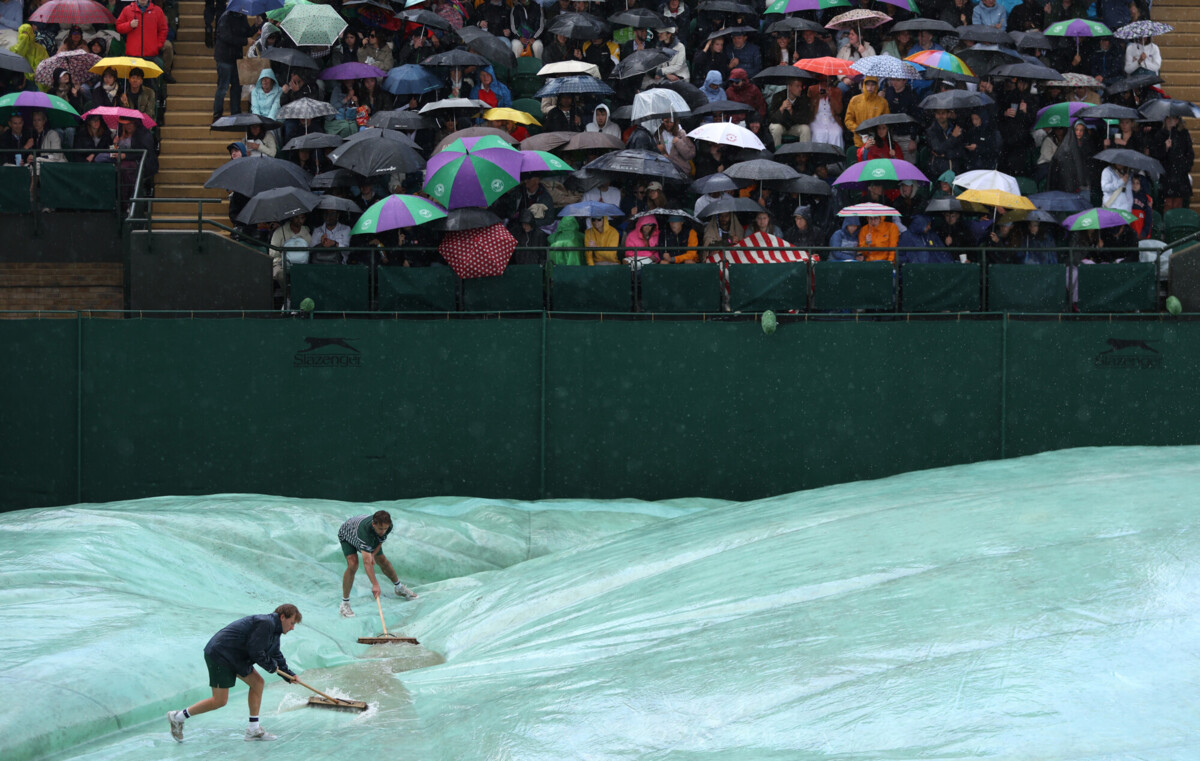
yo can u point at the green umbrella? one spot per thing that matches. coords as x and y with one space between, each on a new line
397 211
1098 219
475 144
59 113
1058 115
312 24
279 14
468 180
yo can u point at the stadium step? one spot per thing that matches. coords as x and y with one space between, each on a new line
1179 71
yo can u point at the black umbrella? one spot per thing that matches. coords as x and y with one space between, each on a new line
805 184
639 62
983 33
1022 215
376 156
623 113
1027 71
291 57
812 149
722 107
254 174
313 141
1057 200
496 49
638 18
731 30
947 76
636 162
1132 159
408 120
372 133
578 26
731 204
1031 41
955 99
278 204
1109 111
761 169
983 61
467 218
726 6
716 183
456 58
1136 82
888 119
691 94
924 25
335 178
943 205
239 122
1160 108
781 75
795 24
13 62
425 18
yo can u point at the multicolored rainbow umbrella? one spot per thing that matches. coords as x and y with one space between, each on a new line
1058 114
1098 219
940 59
880 170
397 211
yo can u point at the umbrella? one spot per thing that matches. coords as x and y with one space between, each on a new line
636 162
72 13
781 75
593 141
831 67
1075 79
313 24
1160 108
78 62
1109 111
868 210
731 205
690 93
278 204
947 76
548 141
1057 200
239 123
729 30
794 24
291 57
482 252
579 84
880 170
661 212
1024 215
111 114
658 103
405 120
716 183
313 141
353 70
126 64
944 205
924 25
794 6
466 218
410 79
1133 31
476 176
1136 82
578 26
806 184
813 149
337 203
761 169
940 59
982 61
1026 71
282 11
570 68
639 62
1058 114
474 132
305 108
1098 219
456 59
454 104
983 33
335 178
1133 159
1031 41
996 198
373 133
857 19
254 174
907 5
254 7
425 18
638 18
13 62
496 49
591 209
954 99
723 107
885 67
397 211
727 133
1078 28
885 119
509 115
541 161
59 113
988 179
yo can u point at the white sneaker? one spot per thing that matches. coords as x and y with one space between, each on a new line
176 719
405 592
256 732
345 610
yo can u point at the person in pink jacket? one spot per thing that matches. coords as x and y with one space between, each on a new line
144 27
641 245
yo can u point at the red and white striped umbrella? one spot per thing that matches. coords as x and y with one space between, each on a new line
868 210
482 252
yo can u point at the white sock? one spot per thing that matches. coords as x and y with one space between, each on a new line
253 722
346 599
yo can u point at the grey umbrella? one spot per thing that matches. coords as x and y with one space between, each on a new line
278 204
639 62
306 108
982 33
1160 108
593 141
467 218
984 61
947 76
805 184
638 18
1109 111
495 49
635 162
781 75
377 155
955 99
761 169
726 6
337 203
313 141
1031 41
731 204
13 62
1132 159
1057 200
722 107
291 57
924 25
456 59
336 178
424 18
665 213
731 30
254 174
578 26
716 183
1027 71
407 120
239 123
815 149
885 119
370 133
794 24
546 141
1137 81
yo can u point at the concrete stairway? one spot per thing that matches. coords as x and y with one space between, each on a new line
1181 69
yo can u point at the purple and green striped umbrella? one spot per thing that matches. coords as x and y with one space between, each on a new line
397 211
907 5
542 161
1098 219
880 170
460 179
59 113
794 6
1058 115
487 148
940 59
1077 27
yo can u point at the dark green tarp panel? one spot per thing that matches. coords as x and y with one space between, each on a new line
417 289
1027 287
1121 287
939 288
758 287
681 288
332 287
78 185
519 289
14 190
604 288
853 285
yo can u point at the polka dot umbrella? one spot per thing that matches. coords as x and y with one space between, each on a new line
482 252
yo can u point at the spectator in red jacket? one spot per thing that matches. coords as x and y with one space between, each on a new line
144 27
742 90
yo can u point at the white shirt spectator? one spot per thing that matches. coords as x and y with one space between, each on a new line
1116 190
339 235
1134 52
611 195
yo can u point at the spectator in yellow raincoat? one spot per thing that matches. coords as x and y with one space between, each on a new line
866 105
601 242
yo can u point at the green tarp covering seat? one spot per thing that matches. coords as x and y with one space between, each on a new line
681 288
332 287
77 186
1027 287
1122 287
519 289
759 287
417 289
14 190
591 289
853 285
939 288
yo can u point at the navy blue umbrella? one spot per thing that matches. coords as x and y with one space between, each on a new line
411 79
253 7
1057 200
580 85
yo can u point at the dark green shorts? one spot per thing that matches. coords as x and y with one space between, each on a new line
220 673
348 549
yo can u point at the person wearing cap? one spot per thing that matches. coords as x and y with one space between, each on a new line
866 105
677 67
655 199
531 240
744 54
790 113
73 40
742 90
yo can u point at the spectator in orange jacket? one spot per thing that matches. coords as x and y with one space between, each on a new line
144 27
878 233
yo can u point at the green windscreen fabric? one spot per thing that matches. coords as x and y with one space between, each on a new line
1122 287
853 285
77 186
520 288
758 287
1027 287
417 289
939 288
332 287
605 288
681 288
14 190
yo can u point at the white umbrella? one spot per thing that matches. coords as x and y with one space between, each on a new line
568 68
658 103
988 179
727 133
449 104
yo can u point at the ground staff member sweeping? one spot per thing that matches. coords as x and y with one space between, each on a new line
365 534
231 655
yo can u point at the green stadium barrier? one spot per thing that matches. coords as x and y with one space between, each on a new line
1121 287
591 289
14 190
681 288
77 186
520 288
759 287
853 285
332 287
417 289
1027 287
939 288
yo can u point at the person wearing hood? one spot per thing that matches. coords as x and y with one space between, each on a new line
742 90
527 20
990 13
679 241
602 242
944 187
375 51
712 86
866 105
490 90
880 233
801 232
845 239
712 57
602 122
566 244
269 36
723 229
953 230
641 245
1034 244
981 142
531 241
920 235
264 98
945 141
29 48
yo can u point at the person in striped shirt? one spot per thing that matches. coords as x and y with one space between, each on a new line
365 534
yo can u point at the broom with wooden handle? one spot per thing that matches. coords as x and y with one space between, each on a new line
386 638
329 701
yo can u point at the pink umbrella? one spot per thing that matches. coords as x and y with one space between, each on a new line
112 113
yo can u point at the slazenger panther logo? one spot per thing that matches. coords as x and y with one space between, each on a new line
497 185
327 352
1129 354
